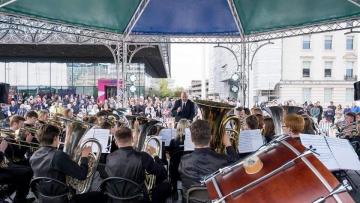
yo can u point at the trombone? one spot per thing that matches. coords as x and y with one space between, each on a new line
13 138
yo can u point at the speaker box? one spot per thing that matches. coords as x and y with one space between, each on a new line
357 91
4 92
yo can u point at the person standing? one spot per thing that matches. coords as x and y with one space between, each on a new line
315 113
183 108
333 108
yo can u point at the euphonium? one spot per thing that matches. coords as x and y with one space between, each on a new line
146 126
73 146
215 114
151 142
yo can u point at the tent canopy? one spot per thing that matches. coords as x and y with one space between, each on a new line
186 17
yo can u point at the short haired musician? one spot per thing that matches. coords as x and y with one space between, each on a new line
14 153
203 161
50 162
252 123
294 125
128 163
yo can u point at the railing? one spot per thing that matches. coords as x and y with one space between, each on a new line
350 77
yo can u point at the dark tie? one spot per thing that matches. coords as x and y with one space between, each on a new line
183 106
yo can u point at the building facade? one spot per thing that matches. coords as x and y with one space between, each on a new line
319 67
264 74
195 89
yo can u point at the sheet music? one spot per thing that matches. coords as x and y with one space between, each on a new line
319 145
102 135
188 144
344 153
166 135
250 141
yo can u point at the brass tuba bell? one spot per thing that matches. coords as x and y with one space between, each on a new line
73 146
216 114
278 114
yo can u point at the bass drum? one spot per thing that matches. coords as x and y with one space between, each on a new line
304 179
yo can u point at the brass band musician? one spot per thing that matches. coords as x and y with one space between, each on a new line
128 163
50 162
203 161
16 154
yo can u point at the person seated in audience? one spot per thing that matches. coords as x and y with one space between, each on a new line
204 160
176 151
128 163
50 162
325 124
16 176
293 125
348 126
269 129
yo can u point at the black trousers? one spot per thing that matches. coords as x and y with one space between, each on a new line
19 177
161 192
89 197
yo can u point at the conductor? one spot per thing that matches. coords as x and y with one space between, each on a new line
184 108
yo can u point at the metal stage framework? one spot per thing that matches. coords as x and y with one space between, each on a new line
17 29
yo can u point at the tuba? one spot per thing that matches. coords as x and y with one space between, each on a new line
215 114
73 146
278 114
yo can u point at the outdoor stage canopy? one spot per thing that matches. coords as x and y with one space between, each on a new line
241 18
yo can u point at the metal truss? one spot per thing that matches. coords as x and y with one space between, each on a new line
244 55
140 9
17 29
256 37
22 30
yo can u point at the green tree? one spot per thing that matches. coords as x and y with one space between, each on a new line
164 89
177 92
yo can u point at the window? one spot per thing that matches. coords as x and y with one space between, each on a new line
349 97
328 42
306 94
306 42
349 69
39 74
328 95
327 70
349 42
306 69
